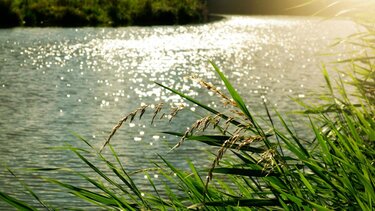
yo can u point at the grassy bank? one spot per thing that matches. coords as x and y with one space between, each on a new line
69 13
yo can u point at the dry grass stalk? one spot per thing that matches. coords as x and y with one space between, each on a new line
227 123
269 159
214 89
203 123
243 116
227 144
269 155
141 111
249 140
239 130
199 125
157 110
175 111
131 115
216 120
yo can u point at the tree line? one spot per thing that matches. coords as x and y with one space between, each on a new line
69 13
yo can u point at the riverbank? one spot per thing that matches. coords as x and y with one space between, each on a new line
45 13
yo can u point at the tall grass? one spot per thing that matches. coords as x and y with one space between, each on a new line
269 167
259 163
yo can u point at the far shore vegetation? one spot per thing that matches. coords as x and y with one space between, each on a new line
73 13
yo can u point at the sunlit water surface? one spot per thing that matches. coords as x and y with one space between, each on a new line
55 81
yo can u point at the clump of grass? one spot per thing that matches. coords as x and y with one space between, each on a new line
268 167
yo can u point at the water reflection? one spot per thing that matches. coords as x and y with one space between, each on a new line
54 80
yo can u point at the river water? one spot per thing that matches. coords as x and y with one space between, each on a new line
55 81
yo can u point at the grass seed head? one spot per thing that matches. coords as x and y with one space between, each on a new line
157 110
227 144
214 89
249 140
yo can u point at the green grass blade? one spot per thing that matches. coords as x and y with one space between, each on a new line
200 104
328 81
31 192
87 195
236 97
160 201
103 175
128 181
218 140
301 147
18 204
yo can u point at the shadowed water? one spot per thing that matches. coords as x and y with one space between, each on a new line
55 81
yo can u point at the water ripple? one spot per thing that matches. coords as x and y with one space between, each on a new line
55 80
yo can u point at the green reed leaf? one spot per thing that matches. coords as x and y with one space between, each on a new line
18 204
218 140
236 97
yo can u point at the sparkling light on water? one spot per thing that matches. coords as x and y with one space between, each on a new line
85 80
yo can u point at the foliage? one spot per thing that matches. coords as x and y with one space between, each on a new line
10 15
101 13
